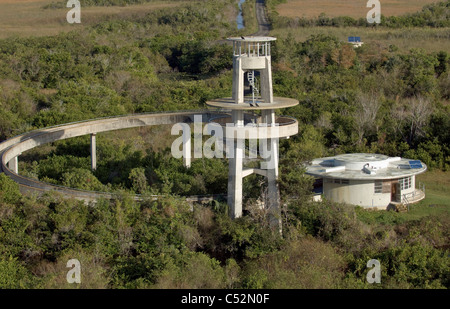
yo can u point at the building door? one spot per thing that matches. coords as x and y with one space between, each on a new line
394 189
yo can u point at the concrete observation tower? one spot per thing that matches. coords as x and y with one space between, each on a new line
253 118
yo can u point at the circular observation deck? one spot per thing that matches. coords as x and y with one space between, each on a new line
229 104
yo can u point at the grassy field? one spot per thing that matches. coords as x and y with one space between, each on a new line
432 40
352 8
436 202
437 192
437 196
28 18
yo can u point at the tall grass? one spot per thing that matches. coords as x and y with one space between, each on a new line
430 39
31 19
353 8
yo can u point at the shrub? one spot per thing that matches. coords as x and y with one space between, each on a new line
9 190
13 275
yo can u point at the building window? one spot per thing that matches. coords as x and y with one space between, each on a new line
337 180
378 186
405 183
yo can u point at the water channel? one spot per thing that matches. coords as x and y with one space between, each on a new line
240 18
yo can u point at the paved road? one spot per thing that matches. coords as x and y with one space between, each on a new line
263 20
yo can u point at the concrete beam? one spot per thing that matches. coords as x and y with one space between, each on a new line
249 171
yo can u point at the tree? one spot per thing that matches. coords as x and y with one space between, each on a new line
419 111
13 275
138 180
419 73
365 114
9 190
411 117
81 178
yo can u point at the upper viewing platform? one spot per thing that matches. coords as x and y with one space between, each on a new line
251 46
252 77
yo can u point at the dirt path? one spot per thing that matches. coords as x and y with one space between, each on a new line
263 20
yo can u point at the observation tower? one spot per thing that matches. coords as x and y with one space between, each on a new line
252 106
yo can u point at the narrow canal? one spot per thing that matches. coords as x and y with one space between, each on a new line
240 18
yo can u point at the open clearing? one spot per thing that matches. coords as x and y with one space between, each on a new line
353 8
437 200
28 18
431 40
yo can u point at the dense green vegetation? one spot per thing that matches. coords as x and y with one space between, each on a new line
163 244
370 99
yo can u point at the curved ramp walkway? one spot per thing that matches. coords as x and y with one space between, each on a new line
12 148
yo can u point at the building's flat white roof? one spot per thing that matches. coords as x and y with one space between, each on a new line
364 166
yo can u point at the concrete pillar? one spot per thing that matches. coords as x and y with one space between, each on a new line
238 80
93 151
13 164
187 149
273 194
266 82
268 116
235 166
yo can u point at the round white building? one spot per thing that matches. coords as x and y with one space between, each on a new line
367 180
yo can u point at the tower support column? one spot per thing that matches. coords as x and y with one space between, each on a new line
266 82
273 193
238 80
93 151
235 168
187 149
252 54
